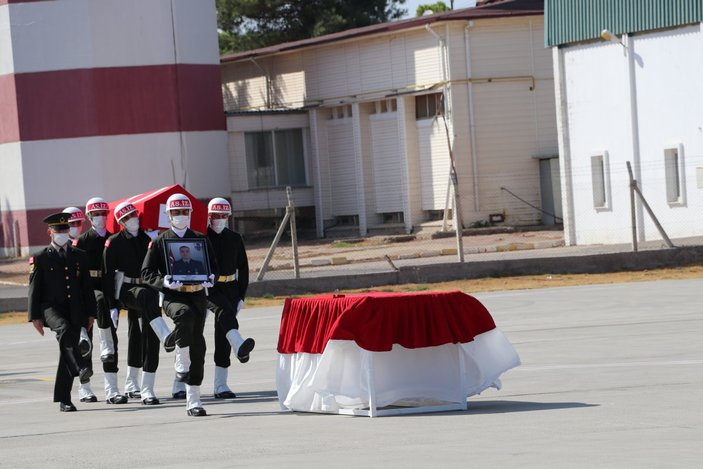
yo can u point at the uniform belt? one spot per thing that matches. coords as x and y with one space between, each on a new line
226 278
133 280
190 288
95 273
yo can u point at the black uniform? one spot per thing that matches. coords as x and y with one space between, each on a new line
187 310
231 259
192 267
92 243
60 294
125 253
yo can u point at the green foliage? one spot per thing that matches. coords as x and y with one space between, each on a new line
343 244
438 7
250 24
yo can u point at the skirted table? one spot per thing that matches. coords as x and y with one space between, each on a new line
388 353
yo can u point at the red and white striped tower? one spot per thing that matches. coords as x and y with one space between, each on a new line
108 98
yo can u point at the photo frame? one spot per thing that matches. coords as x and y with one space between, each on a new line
187 260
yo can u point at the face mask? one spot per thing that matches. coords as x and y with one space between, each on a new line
132 224
180 222
218 225
73 232
60 239
98 222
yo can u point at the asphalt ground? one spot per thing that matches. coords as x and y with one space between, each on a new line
611 377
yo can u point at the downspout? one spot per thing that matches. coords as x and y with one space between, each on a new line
472 116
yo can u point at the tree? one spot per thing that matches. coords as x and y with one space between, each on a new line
438 7
250 24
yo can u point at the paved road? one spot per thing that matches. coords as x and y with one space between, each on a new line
611 377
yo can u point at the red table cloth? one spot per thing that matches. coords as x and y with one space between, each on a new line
376 321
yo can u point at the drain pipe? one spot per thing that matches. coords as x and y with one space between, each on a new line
472 116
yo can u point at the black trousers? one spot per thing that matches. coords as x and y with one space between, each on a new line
70 360
225 321
105 322
143 343
188 312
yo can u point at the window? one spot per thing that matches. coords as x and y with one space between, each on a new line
428 106
384 106
599 180
275 158
673 173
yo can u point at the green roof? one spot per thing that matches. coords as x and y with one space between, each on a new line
569 21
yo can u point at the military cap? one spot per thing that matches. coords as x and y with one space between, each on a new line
58 220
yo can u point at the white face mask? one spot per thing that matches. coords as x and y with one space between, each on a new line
180 222
60 239
132 224
218 225
73 232
98 222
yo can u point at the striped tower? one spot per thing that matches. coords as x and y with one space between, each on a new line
105 98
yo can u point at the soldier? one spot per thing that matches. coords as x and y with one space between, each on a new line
227 296
123 286
93 243
185 265
61 298
185 304
75 227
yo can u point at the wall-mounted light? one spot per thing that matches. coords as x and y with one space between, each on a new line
608 36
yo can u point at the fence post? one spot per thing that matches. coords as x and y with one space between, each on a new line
293 231
633 216
650 212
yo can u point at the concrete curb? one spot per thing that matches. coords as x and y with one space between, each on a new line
594 263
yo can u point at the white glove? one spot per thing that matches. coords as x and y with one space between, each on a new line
115 316
210 282
239 305
171 285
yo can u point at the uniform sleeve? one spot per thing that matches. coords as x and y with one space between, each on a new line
87 287
242 268
212 260
34 310
151 273
108 268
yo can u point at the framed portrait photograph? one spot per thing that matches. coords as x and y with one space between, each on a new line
187 259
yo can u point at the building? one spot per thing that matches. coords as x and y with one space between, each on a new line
361 123
627 80
109 98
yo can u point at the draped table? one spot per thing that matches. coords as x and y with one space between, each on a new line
388 353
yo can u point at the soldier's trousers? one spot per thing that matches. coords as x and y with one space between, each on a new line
104 322
188 312
142 306
70 360
225 320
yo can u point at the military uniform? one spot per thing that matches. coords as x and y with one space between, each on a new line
191 267
230 288
187 307
61 295
125 253
92 243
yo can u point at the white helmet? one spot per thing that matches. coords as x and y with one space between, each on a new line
219 205
96 204
123 209
76 214
178 202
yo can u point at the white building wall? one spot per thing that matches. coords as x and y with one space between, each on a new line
342 167
600 116
387 178
670 113
434 162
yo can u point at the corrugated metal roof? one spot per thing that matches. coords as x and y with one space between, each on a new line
568 21
497 9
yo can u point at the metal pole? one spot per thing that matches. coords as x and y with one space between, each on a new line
293 232
269 254
633 214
